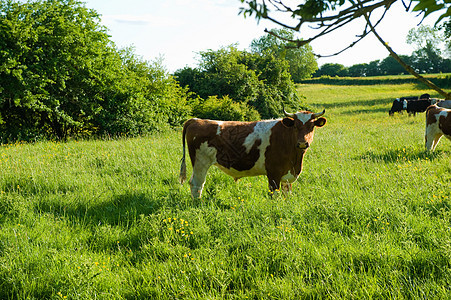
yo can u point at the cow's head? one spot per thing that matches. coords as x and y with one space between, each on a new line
397 106
303 123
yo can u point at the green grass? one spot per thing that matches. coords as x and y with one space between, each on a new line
368 218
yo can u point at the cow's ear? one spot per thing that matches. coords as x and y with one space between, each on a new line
320 122
288 122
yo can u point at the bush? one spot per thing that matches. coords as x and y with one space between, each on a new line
261 82
225 109
61 76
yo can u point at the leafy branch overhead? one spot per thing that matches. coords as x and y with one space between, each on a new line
326 16
329 15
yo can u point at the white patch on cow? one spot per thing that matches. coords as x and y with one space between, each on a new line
262 131
218 132
205 157
289 177
443 113
303 117
404 104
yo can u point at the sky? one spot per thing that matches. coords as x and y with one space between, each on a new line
177 30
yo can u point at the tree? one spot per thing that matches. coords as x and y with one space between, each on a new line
259 82
61 75
302 62
358 70
374 68
425 36
389 65
427 56
328 15
330 69
447 34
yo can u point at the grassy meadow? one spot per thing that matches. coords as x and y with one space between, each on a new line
369 217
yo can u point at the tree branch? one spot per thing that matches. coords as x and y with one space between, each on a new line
336 21
404 65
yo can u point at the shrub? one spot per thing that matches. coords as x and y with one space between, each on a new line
61 76
261 82
225 109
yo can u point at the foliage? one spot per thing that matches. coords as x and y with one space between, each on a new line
428 60
260 83
331 69
302 62
224 109
431 6
62 76
447 36
369 216
326 16
332 14
425 36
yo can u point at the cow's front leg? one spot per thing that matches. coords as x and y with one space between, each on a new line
274 185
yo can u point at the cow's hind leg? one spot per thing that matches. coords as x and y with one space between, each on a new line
201 159
432 142
432 137
197 180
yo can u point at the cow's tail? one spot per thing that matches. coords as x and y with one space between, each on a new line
182 177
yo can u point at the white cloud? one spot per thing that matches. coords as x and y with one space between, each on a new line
142 20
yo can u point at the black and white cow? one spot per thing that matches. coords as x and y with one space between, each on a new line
413 105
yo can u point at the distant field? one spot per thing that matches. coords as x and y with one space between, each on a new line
442 80
370 216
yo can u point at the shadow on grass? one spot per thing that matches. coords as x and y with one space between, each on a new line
359 107
118 209
374 102
400 154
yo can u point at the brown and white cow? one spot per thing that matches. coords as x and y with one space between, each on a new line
438 123
274 148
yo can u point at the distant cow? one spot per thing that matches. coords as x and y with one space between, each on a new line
400 104
412 105
274 148
438 123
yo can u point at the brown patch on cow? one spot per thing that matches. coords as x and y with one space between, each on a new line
445 124
431 111
198 131
229 143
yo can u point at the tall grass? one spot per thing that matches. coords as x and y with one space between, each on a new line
368 218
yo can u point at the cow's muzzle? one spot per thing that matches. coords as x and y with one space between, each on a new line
303 145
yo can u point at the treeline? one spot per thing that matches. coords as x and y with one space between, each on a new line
61 76
423 61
